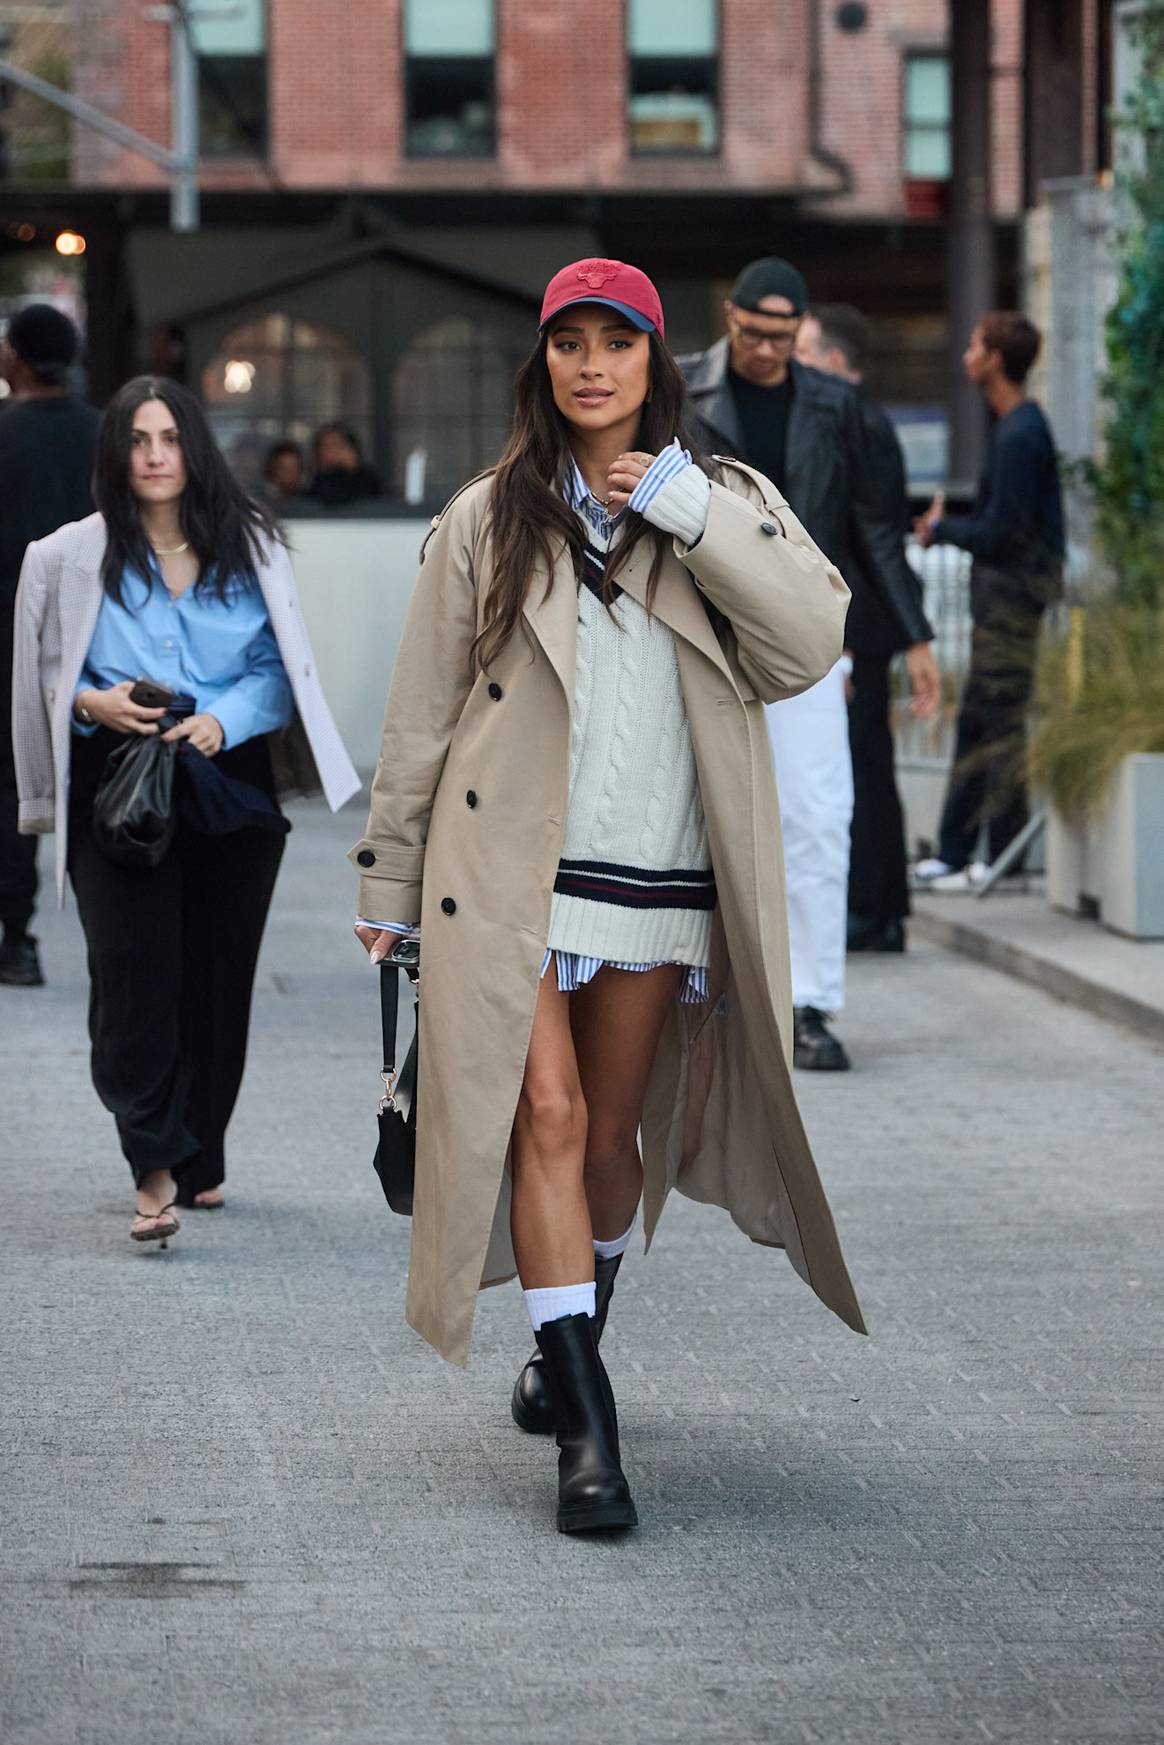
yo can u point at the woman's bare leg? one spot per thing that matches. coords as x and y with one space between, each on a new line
617 1020
549 1218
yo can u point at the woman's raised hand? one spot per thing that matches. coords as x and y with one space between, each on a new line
113 709
623 478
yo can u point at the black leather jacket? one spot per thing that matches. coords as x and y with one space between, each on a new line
873 630
833 488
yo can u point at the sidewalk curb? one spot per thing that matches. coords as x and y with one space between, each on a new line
1052 978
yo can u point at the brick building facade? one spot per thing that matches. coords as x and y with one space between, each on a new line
336 99
386 185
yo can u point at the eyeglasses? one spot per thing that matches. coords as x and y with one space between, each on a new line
751 338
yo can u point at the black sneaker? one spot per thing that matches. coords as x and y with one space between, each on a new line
815 1048
20 964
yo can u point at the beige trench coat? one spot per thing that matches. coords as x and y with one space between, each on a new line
721 1122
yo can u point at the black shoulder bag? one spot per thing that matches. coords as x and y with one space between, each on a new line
395 1159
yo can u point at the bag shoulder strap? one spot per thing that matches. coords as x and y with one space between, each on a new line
389 996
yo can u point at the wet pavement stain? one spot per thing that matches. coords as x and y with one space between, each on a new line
151 1581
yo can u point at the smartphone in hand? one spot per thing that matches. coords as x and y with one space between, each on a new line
148 694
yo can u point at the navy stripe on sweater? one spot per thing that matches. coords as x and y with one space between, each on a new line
632 887
593 570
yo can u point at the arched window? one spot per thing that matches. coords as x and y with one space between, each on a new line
452 394
278 379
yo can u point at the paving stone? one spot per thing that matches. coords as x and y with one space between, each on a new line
244 1505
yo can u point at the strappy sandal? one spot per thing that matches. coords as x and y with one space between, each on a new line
163 1227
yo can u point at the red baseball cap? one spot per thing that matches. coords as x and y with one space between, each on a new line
610 282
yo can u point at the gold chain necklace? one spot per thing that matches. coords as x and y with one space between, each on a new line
170 550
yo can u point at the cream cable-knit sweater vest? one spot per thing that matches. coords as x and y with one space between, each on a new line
634 883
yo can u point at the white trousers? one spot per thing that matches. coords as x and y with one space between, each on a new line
814 778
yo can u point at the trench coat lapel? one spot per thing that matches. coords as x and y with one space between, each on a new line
677 602
553 618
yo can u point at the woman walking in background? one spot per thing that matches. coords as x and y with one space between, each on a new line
180 579
575 799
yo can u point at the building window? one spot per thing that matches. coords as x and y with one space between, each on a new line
232 78
452 394
926 123
448 78
278 379
674 75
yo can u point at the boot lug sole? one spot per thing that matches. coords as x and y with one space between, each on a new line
598 1518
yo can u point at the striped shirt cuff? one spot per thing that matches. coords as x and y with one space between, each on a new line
384 926
674 494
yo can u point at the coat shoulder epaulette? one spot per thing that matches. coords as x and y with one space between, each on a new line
456 496
768 491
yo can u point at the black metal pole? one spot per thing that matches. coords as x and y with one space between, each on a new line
109 316
970 251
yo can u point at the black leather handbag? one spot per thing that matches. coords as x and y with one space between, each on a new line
133 811
395 1159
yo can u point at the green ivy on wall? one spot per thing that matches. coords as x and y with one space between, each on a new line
1129 480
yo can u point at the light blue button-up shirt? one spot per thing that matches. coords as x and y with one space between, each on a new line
223 653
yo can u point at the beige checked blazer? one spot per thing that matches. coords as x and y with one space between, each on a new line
57 603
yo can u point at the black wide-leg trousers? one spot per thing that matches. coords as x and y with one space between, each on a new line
172 957
878 883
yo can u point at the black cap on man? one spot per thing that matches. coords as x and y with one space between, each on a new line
45 341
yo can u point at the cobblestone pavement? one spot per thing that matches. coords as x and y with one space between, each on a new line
244 1505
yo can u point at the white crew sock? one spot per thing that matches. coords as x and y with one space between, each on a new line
619 1245
555 1302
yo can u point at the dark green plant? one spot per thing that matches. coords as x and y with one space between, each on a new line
1098 702
1129 480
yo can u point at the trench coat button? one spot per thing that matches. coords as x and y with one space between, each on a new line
471 799
448 907
768 527
365 858
495 692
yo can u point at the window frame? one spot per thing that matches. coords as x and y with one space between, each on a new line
909 126
242 153
407 153
676 153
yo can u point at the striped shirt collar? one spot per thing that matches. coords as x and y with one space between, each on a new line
580 498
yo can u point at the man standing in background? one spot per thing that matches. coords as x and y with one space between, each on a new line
804 430
1015 535
47 443
834 337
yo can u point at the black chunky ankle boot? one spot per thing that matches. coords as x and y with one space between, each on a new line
593 1494
532 1404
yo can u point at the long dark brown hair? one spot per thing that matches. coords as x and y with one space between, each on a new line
530 516
228 531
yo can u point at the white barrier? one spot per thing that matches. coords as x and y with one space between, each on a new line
354 579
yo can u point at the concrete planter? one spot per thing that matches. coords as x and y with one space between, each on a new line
1112 865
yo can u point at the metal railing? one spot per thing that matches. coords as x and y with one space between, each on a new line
945 576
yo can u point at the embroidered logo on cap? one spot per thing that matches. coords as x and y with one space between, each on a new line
596 273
